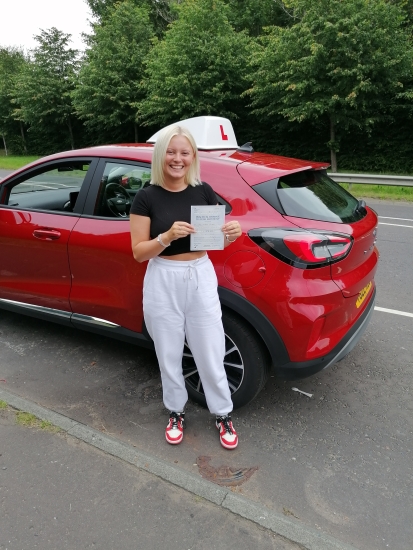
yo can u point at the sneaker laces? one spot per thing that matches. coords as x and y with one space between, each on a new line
226 421
176 417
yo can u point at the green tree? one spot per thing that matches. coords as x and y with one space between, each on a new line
161 12
199 68
12 61
109 84
407 7
342 61
249 15
43 91
253 15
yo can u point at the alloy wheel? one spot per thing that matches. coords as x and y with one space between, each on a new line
233 363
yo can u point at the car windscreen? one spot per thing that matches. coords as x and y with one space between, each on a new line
312 195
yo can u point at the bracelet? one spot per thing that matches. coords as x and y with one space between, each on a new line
228 239
160 241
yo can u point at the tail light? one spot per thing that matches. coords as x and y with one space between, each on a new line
303 249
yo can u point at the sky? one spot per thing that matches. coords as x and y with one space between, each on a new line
21 19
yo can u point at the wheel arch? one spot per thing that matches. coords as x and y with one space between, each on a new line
258 322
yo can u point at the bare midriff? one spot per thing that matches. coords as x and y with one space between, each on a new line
185 257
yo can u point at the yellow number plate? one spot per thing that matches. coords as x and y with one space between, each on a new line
363 295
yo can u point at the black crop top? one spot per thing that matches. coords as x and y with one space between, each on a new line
165 207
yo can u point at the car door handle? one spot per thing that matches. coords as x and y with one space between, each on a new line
46 234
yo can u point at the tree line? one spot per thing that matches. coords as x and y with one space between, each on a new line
330 80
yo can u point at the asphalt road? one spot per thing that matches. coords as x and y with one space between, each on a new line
60 493
339 461
4 173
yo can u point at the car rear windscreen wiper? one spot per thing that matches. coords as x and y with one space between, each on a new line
361 207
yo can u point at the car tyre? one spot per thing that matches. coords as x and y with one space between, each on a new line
247 363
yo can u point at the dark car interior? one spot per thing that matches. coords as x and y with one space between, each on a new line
56 189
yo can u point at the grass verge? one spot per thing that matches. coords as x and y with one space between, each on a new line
384 192
3 404
13 163
31 421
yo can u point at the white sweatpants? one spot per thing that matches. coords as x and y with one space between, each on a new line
181 299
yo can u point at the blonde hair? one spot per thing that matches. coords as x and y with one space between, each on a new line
193 176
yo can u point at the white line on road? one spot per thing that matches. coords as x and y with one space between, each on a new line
400 219
396 225
395 311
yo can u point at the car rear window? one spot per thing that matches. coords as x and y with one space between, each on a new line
311 194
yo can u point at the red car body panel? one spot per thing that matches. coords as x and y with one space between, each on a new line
34 261
357 269
107 282
258 167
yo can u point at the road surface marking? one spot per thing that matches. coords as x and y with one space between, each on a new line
395 311
396 225
400 219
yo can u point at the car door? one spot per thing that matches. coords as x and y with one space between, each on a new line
107 282
39 208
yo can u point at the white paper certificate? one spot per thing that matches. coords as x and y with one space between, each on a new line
208 221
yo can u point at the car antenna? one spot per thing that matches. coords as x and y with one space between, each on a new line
246 148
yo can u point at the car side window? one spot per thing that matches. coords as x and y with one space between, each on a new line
53 188
118 186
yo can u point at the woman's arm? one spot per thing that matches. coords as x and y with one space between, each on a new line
143 247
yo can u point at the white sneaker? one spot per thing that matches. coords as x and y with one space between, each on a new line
174 432
227 434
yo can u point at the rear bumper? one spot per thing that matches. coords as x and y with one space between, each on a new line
297 370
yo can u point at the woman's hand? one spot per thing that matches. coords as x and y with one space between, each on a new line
178 231
232 230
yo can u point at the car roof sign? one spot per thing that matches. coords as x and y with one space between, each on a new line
210 132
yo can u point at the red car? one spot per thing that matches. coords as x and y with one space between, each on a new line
297 289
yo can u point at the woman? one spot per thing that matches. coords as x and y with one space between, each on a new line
180 297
